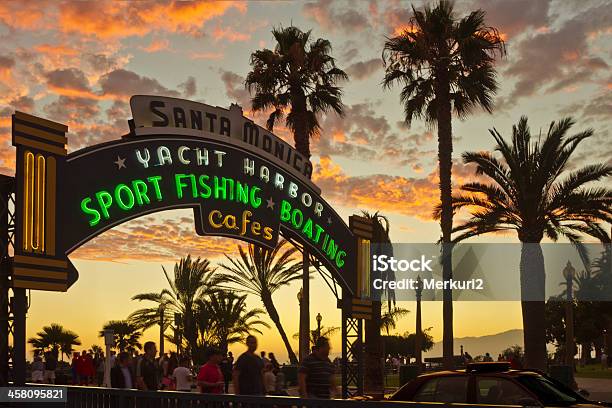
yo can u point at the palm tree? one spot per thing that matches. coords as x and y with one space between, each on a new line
524 192
159 315
390 317
55 338
444 64
192 279
298 78
262 272
126 335
230 321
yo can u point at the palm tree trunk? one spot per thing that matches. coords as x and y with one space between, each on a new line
374 367
300 135
302 145
273 313
533 281
445 163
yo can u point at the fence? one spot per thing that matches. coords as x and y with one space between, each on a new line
92 397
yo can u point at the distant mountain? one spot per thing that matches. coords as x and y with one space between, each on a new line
492 344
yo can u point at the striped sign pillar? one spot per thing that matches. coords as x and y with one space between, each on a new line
355 310
37 263
41 151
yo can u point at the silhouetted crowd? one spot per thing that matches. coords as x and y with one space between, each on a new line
250 374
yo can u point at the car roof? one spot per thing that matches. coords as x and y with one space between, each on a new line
501 373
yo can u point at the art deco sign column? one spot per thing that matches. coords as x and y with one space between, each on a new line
41 151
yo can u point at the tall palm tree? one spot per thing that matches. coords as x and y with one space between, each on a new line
230 320
525 192
297 81
55 338
262 272
160 315
192 279
126 335
444 65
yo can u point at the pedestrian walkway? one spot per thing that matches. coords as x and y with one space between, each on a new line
600 389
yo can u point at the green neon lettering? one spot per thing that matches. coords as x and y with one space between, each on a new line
307 230
220 189
203 179
155 181
178 180
194 186
231 187
140 192
96 215
242 192
285 211
332 248
255 199
130 196
294 222
340 259
105 200
319 231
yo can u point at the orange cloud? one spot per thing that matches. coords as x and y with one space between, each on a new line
230 35
125 19
206 55
151 239
414 197
157 45
23 15
57 49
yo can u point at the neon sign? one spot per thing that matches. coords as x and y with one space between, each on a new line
240 181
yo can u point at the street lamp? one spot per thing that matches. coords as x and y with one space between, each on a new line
319 318
418 341
177 332
568 274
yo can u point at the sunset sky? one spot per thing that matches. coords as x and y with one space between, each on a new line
79 62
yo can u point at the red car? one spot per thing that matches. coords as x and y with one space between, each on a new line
492 383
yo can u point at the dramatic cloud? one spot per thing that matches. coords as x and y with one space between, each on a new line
157 45
229 34
364 134
102 63
234 89
125 19
514 17
553 60
364 69
189 87
151 239
414 197
347 19
123 83
69 82
67 109
6 62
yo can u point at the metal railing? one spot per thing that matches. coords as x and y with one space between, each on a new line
92 397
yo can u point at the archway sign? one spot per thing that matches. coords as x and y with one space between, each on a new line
241 181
